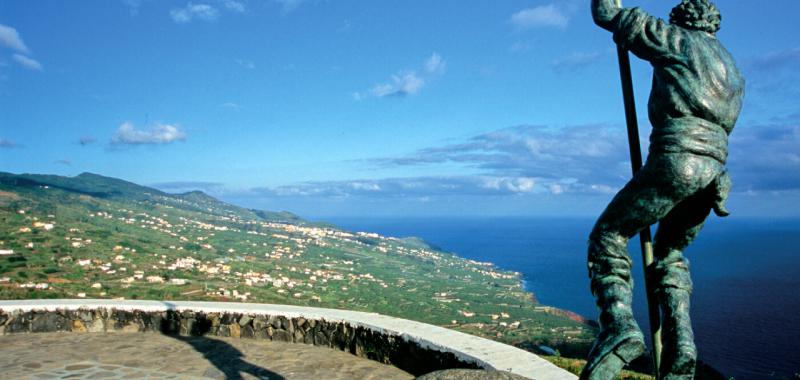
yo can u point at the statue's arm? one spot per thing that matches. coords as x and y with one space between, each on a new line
603 13
648 37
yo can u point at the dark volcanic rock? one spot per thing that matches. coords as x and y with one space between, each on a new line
282 336
49 322
19 323
320 339
248 332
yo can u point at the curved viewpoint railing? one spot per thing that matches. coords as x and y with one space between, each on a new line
415 347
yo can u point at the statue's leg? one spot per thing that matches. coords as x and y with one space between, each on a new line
665 181
674 285
642 202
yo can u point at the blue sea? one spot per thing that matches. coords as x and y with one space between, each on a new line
746 301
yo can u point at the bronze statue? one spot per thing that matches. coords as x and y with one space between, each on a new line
695 100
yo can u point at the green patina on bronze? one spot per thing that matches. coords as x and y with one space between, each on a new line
694 103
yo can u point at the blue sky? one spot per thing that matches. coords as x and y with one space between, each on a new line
354 108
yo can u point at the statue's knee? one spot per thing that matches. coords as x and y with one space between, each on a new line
602 241
672 275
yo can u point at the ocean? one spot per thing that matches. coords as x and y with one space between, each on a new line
746 273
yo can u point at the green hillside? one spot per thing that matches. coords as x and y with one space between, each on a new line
97 237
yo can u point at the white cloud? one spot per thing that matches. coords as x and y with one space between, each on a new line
11 39
158 134
193 11
593 159
205 11
412 187
381 90
766 157
407 82
27 62
365 186
231 105
569 157
542 16
290 5
556 188
133 6
235 6
603 189
402 85
512 185
435 64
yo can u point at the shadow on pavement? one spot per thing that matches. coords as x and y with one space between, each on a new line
227 358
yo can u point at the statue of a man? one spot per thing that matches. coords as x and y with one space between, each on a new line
694 103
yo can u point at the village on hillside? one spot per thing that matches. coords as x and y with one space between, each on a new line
55 243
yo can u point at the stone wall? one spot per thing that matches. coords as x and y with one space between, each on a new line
415 347
375 345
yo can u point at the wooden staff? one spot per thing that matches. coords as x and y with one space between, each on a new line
644 235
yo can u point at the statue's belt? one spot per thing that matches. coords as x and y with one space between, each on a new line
700 137
690 135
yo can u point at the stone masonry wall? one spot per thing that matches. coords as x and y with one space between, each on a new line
359 341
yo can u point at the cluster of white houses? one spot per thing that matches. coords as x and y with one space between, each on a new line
285 244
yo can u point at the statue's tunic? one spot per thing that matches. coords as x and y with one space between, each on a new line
697 89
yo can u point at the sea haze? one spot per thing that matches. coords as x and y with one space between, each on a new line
745 302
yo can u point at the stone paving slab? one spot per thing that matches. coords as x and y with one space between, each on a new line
158 356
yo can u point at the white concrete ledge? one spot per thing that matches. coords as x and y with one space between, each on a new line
485 353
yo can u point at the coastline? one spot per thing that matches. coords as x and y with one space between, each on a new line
731 277
523 284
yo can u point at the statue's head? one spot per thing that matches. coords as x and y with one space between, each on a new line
696 14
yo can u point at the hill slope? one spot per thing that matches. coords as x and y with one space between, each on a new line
94 236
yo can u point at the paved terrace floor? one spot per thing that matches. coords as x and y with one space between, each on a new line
157 356
486 353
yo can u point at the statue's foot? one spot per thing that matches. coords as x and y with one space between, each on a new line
679 357
611 353
682 365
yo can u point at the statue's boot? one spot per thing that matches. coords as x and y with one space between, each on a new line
679 357
620 340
